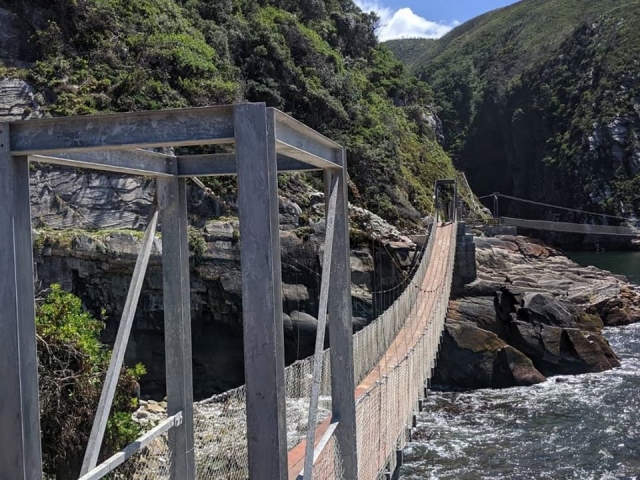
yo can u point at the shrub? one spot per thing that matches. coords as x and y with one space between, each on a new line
72 364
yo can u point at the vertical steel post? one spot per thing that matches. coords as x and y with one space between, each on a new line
261 291
455 201
20 454
172 201
341 329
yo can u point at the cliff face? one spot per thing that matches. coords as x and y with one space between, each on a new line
86 237
317 60
541 100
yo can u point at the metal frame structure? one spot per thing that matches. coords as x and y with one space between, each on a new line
452 212
267 142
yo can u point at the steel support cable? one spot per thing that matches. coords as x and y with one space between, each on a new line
548 205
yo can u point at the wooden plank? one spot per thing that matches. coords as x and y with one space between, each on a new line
20 454
118 131
127 452
261 292
341 330
212 165
119 349
318 449
296 454
330 218
282 120
172 200
130 162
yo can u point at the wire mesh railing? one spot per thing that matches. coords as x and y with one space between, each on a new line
220 426
151 463
370 343
220 436
397 354
384 411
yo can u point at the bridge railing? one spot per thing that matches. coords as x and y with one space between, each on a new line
220 426
386 399
370 343
385 409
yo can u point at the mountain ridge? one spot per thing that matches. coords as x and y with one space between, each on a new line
541 99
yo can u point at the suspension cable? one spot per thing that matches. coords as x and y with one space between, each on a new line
542 204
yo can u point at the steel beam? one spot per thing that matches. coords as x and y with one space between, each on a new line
297 140
130 162
261 292
217 164
330 217
118 131
172 201
119 349
340 328
127 452
20 454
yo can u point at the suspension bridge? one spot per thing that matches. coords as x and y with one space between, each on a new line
343 413
626 226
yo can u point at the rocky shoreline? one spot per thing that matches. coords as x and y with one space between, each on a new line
532 313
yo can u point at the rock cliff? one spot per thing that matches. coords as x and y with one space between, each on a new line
530 314
87 232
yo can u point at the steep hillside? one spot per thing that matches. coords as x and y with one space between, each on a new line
410 51
542 99
318 60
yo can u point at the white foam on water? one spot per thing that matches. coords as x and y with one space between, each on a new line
569 427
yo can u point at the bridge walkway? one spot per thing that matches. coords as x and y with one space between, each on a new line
386 398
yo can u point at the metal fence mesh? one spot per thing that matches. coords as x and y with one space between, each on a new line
386 409
398 350
220 436
329 462
220 422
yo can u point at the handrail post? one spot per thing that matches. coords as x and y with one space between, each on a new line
20 454
172 201
341 329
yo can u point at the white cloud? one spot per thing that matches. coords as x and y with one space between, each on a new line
404 23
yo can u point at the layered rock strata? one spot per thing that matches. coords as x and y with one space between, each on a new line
531 313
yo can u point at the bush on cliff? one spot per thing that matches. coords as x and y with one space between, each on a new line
316 59
72 364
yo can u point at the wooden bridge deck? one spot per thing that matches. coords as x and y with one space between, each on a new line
406 339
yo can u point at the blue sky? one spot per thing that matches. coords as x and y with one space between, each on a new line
425 18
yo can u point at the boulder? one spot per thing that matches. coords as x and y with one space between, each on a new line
477 310
557 336
475 358
544 308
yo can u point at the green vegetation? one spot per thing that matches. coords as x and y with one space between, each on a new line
540 99
71 364
316 59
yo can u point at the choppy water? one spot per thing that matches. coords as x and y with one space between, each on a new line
570 427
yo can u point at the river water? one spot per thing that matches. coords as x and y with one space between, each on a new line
570 427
